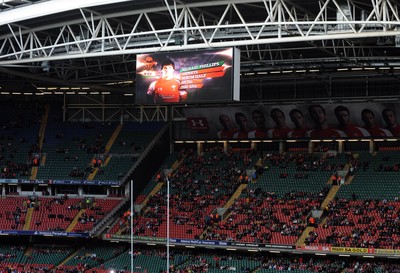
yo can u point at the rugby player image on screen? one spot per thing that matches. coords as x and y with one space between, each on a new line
166 89
188 76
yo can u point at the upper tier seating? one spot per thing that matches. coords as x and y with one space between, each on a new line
18 139
375 177
198 186
133 138
70 148
296 172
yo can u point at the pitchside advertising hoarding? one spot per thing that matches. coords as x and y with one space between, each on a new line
188 76
305 121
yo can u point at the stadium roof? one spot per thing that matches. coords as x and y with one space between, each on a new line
299 45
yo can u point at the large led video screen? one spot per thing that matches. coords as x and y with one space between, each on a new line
188 76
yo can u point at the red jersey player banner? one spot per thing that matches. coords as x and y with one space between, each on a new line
187 76
314 121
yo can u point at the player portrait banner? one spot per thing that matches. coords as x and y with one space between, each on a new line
305 121
188 76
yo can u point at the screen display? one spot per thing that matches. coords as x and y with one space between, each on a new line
187 76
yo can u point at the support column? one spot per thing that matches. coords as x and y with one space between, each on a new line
310 147
253 146
80 191
282 147
226 146
340 146
200 147
127 189
371 146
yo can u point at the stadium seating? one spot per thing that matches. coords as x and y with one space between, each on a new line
271 206
12 212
